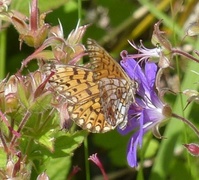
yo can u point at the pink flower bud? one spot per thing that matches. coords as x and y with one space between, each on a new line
192 148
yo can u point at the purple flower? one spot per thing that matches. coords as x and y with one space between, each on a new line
148 111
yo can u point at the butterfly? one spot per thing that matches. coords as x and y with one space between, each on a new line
99 96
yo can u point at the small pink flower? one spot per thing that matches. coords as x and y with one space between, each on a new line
75 170
96 160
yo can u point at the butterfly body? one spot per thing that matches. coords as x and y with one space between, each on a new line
98 97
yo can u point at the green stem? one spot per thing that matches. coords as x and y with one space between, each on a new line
181 100
21 125
142 156
86 159
2 53
79 9
85 140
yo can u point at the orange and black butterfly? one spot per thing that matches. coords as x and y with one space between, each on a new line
98 97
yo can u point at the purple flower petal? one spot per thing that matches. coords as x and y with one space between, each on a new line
135 72
132 151
150 71
146 112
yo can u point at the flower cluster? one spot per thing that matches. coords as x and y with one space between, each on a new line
148 111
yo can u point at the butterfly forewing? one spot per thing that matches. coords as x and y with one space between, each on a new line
73 83
103 65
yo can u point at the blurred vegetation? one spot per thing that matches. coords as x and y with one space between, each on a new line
112 23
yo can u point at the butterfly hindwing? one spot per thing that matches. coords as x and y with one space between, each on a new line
116 97
90 116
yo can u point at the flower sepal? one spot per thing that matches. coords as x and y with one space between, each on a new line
33 30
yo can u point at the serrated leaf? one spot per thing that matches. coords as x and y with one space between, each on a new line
47 141
66 144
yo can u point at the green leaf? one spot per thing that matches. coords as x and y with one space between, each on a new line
63 166
152 147
180 169
55 168
21 90
23 5
116 145
66 144
41 103
38 153
47 141
45 55
3 157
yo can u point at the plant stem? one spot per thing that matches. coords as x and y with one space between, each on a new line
2 53
86 159
6 149
86 139
185 54
186 121
21 125
79 9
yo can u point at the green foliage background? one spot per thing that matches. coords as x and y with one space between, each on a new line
112 24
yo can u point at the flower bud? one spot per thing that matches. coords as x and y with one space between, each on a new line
33 33
43 176
192 148
10 94
193 29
